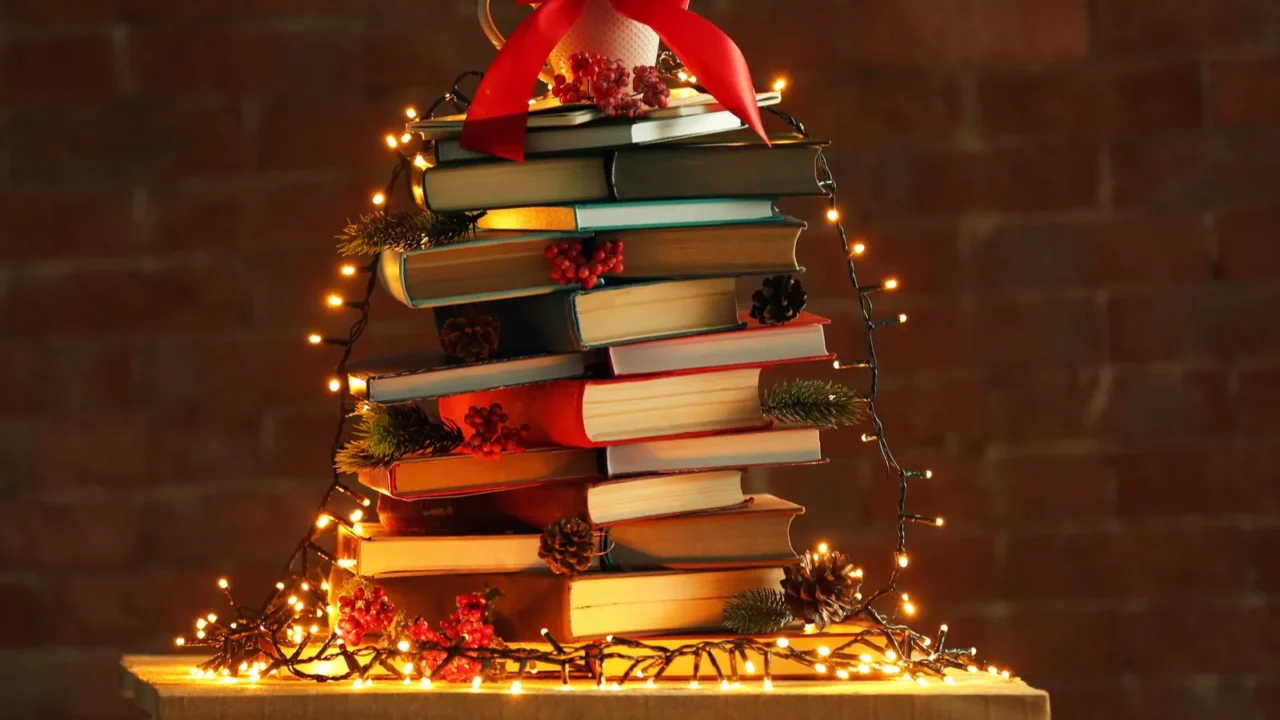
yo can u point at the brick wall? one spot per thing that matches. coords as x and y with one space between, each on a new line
1079 196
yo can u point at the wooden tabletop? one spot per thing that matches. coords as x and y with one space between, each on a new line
164 688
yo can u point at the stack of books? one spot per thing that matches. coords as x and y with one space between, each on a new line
639 387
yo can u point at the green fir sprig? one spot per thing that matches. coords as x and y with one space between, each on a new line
757 612
405 230
387 433
814 402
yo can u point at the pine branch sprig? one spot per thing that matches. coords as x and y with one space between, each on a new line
814 402
405 230
757 612
387 433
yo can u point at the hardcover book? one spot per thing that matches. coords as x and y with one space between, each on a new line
374 552
508 264
591 217
534 506
446 476
802 339
573 321
421 375
588 606
591 413
648 173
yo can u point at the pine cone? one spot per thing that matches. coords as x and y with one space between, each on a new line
567 546
821 589
470 338
778 301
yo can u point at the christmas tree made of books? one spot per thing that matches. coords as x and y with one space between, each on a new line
560 485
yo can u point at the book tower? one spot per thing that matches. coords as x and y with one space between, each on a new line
558 481
596 398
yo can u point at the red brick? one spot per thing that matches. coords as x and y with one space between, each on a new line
1088 101
221 443
946 570
395 59
203 139
1050 643
20 361
1029 334
1258 399
298 443
934 338
67 223
1246 243
350 136
79 378
48 143
194 217
1246 92
101 450
1185 637
1043 490
59 12
923 260
1103 697
1140 562
301 216
1119 251
1016 405
1163 406
943 412
63 66
1195 171
30 602
1159 697
1205 322
151 11
1004 180
1265 550
883 107
90 532
960 491
104 607
241 61
146 300
258 527
1199 483
1123 26
923 31
197 373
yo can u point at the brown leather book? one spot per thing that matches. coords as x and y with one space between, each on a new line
587 606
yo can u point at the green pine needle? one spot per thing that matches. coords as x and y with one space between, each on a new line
387 433
814 402
757 612
405 230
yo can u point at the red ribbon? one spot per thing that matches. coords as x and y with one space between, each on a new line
497 116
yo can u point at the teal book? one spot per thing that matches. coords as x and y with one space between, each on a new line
578 320
600 216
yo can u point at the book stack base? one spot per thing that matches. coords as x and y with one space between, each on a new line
162 687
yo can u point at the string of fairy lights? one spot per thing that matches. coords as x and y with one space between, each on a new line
289 632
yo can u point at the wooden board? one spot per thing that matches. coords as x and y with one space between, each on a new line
162 686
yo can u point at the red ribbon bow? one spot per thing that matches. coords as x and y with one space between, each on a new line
497 117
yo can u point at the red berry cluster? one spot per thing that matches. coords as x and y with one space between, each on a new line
569 265
363 612
605 82
653 91
470 623
492 435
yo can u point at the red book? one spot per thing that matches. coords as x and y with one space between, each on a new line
594 413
